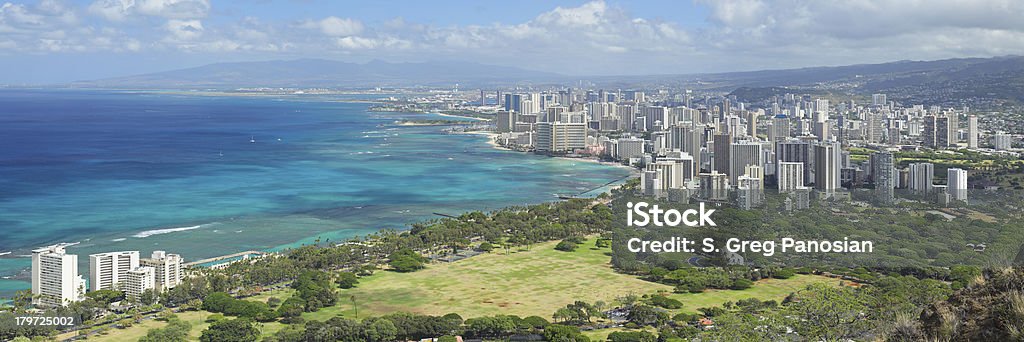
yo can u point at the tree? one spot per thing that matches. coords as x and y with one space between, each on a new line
148 297
273 302
566 246
486 247
647 315
632 336
234 330
291 308
291 333
563 333
405 260
741 284
784 273
379 329
105 296
831 314
536 322
488 326
347 280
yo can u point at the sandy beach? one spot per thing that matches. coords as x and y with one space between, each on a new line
461 116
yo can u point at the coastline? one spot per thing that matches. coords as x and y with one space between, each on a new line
494 144
459 116
490 139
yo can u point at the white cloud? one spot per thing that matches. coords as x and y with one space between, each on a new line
115 10
589 14
118 10
184 29
360 43
594 37
178 9
336 27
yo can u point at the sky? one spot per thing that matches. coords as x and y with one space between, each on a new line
54 41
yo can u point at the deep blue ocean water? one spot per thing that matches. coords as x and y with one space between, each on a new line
146 171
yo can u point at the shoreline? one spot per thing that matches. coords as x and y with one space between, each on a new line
459 116
494 144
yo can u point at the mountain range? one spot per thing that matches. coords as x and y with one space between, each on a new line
306 73
949 80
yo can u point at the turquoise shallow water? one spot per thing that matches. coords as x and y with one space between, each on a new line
145 171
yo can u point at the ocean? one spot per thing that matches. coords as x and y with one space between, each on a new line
120 170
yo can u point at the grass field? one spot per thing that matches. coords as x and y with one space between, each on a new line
524 283
763 289
535 282
196 318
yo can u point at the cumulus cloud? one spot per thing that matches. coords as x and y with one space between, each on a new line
184 29
336 27
593 37
118 10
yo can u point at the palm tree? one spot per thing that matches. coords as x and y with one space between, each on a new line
354 307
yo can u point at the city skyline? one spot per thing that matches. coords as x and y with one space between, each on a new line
53 42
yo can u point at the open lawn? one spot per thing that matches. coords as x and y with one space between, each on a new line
525 283
763 289
196 318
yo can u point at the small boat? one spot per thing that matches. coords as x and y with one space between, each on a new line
252 139
221 153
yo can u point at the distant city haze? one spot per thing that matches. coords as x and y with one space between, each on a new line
52 42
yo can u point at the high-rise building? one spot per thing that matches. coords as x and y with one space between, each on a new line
928 131
956 184
505 121
796 151
921 176
780 129
821 130
167 269
627 148
55 279
884 175
821 109
878 100
560 136
827 162
841 129
750 188
714 186
1002 141
942 129
790 176
693 140
554 113
752 122
657 117
137 281
106 270
801 197
875 127
741 155
721 145
953 129
972 131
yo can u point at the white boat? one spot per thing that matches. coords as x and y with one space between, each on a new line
252 139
